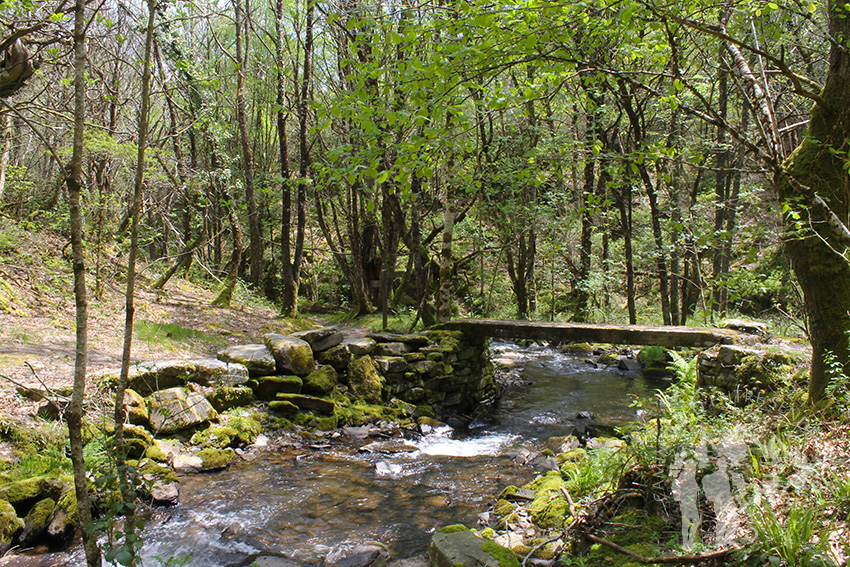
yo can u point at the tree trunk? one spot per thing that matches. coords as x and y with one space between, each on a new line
131 542
819 176
73 179
444 309
254 228
582 312
232 278
289 301
624 204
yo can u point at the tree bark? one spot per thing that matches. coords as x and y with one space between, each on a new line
254 228
289 301
73 179
444 309
817 176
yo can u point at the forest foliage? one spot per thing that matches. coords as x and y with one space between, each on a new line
607 160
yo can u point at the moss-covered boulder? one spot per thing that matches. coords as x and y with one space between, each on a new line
284 407
31 489
462 548
137 440
234 429
37 520
291 355
256 358
267 387
65 518
10 525
136 408
228 397
549 507
176 408
215 459
306 403
320 382
365 380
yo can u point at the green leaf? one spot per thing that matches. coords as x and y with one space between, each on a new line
382 177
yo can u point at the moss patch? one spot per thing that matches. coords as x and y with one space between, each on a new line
503 555
549 507
454 528
214 459
10 523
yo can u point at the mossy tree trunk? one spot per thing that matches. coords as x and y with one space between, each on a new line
817 187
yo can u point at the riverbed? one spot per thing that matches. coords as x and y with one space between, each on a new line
312 503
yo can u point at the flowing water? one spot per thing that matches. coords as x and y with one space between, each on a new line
309 504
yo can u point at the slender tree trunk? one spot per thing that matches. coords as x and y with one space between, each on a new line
289 307
6 142
304 160
131 541
254 228
625 206
444 309
586 245
225 296
73 179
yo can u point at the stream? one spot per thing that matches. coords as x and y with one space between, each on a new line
309 504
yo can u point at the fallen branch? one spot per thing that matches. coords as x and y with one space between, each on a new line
669 560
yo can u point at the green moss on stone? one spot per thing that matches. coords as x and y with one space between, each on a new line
503 508
320 382
453 529
285 408
68 502
228 397
153 470
40 515
156 453
10 523
216 458
503 555
326 423
549 507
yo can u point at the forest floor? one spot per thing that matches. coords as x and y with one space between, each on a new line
37 321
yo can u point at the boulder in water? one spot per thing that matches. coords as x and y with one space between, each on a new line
463 548
358 556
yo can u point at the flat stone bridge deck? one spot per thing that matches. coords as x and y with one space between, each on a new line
592 333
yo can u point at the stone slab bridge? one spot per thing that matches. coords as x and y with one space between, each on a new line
475 330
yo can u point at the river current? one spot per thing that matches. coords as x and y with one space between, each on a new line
309 504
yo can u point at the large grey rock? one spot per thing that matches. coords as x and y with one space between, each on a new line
357 556
256 358
391 349
291 355
411 339
391 364
360 347
176 408
320 339
148 377
746 326
465 549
